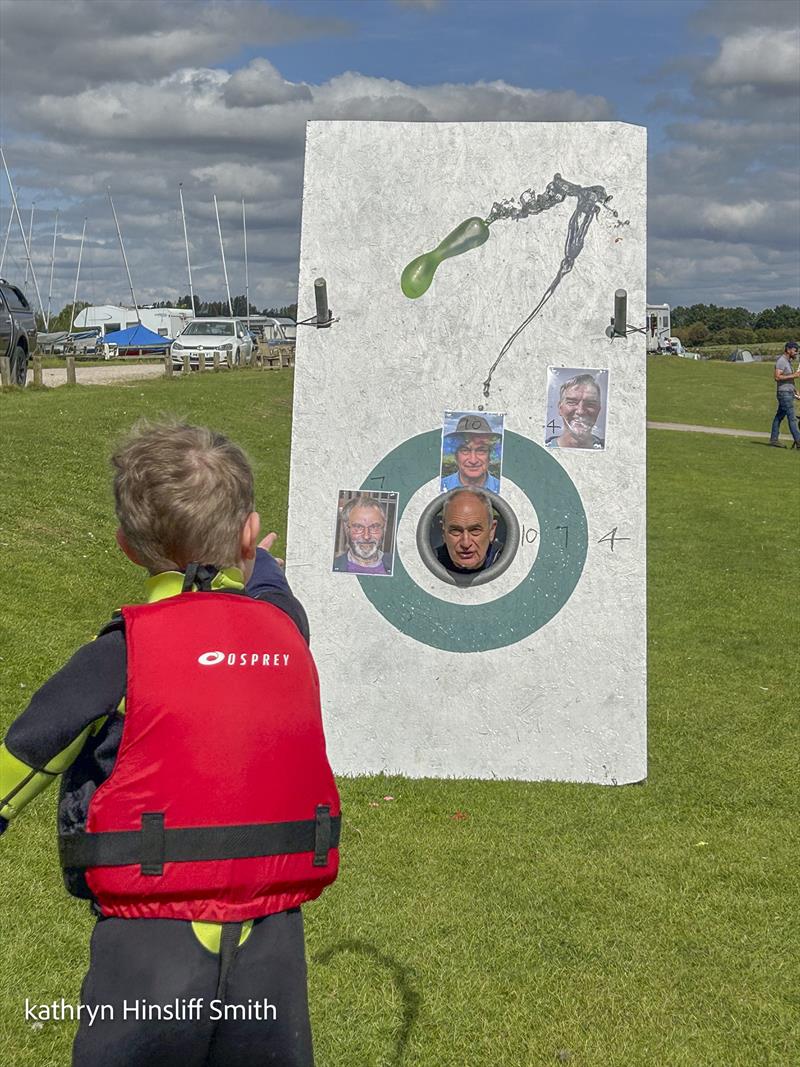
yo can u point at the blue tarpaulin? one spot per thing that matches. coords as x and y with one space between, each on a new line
137 336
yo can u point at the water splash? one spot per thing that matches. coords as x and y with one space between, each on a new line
589 199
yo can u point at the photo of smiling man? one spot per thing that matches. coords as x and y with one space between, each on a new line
365 533
576 408
472 451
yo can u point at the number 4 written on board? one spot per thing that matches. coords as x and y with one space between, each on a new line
611 537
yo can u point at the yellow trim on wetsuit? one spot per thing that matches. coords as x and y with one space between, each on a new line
170 583
210 934
20 783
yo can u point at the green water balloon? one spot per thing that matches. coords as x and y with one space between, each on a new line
418 275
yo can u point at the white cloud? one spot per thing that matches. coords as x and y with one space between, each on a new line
758 57
732 218
234 134
90 43
260 84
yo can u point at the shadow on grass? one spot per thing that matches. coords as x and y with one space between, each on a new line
400 976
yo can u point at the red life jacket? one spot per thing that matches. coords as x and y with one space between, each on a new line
221 805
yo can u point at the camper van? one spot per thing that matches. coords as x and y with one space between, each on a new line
658 327
109 318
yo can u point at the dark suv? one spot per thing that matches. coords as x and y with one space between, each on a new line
17 330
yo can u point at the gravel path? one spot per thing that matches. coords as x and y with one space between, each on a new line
100 375
703 429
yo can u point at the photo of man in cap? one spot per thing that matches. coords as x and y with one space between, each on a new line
472 451
785 378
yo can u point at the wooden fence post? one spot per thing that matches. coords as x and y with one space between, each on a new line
168 364
71 370
201 362
5 372
216 361
37 369
187 365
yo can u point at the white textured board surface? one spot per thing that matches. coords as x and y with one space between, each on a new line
567 700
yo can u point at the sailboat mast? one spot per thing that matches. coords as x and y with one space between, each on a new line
52 269
21 229
222 250
30 238
73 316
5 243
186 245
124 258
246 274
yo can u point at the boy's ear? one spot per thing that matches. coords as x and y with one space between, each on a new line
250 532
122 541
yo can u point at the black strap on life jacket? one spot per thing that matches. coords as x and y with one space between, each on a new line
200 575
154 845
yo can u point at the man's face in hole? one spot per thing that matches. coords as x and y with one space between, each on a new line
365 529
472 457
467 531
579 408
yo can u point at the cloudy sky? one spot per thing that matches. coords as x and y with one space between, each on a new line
215 94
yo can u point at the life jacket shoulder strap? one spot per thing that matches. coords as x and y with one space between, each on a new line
115 623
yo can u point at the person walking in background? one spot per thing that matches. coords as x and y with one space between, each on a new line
785 379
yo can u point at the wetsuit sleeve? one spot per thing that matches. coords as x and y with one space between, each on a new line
51 732
268 583
267 576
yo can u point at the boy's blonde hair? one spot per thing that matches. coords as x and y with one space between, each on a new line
182 495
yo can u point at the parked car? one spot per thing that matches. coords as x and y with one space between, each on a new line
228 337
17 330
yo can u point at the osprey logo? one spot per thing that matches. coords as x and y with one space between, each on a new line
244 659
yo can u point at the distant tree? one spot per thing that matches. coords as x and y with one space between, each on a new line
288 312
781 317
186 302
696 333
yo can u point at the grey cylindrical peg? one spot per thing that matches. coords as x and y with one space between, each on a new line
321 300
621 313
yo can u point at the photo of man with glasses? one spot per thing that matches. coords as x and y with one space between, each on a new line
366 532
472 450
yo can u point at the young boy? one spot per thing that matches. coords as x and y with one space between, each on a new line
198 810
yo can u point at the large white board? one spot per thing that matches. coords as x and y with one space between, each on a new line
541 673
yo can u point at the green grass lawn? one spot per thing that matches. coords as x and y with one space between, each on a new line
739 396
502 924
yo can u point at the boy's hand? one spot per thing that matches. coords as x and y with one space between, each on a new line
267 543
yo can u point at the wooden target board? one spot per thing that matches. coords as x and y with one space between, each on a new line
471 270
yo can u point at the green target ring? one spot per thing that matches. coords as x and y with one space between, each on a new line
548 585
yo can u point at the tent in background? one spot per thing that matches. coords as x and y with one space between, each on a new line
138 341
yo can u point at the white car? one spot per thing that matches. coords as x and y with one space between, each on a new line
228 337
